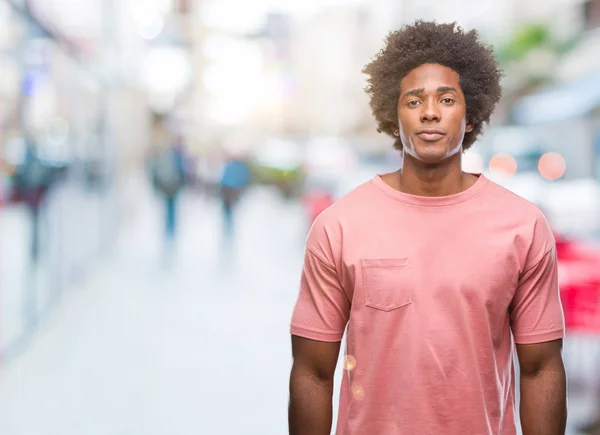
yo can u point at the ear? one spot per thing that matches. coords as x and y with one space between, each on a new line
469 128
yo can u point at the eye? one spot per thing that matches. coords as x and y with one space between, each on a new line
413 103
447 100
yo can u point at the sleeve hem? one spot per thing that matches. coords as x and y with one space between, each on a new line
330 337
540 338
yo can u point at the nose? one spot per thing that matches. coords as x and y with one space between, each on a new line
430 111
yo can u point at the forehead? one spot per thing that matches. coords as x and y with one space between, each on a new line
430 75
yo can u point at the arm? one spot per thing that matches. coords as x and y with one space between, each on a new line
543 388
311 386
537 324
318 323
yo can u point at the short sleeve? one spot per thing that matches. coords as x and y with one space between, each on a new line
536 313
322 308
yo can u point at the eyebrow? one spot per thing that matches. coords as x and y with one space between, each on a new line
420 91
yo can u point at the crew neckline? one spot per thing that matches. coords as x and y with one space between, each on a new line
431 201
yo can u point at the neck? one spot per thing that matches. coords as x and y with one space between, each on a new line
443 179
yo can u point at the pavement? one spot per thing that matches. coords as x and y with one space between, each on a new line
148 347
72 225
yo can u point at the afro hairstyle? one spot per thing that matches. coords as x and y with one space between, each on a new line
444 44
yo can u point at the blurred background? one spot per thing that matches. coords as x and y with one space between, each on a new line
161 163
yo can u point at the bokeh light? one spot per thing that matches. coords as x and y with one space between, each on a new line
552 166
358 392
503 164
349 363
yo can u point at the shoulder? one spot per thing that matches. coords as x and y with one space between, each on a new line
531 230
518 207
329 226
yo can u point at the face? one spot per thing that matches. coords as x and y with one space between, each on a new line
432 115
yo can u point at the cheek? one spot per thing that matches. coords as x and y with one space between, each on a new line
461 122
407 119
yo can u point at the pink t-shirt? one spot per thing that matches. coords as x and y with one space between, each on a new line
432 291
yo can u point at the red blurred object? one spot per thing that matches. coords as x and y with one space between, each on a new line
316 201
579 278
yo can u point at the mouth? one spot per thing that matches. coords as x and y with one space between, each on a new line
430 135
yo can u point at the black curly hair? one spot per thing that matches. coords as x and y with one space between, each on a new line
445 44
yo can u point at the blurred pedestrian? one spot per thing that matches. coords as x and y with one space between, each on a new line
434 274
235 179
32 180
169 177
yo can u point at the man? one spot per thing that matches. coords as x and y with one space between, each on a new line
432 270
169 178
33 180
235 178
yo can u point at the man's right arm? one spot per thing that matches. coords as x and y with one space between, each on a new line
311 386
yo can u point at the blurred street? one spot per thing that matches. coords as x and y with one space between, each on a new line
155 196
28 290
140 349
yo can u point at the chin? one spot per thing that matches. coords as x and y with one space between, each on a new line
432 154
432 160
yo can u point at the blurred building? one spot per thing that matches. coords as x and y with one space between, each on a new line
74 82
561 112
286 72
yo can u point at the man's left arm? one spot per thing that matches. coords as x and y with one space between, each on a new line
543 388
537 323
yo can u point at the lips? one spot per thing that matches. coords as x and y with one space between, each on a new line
430 135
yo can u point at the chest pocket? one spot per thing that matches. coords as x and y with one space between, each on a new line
387 283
